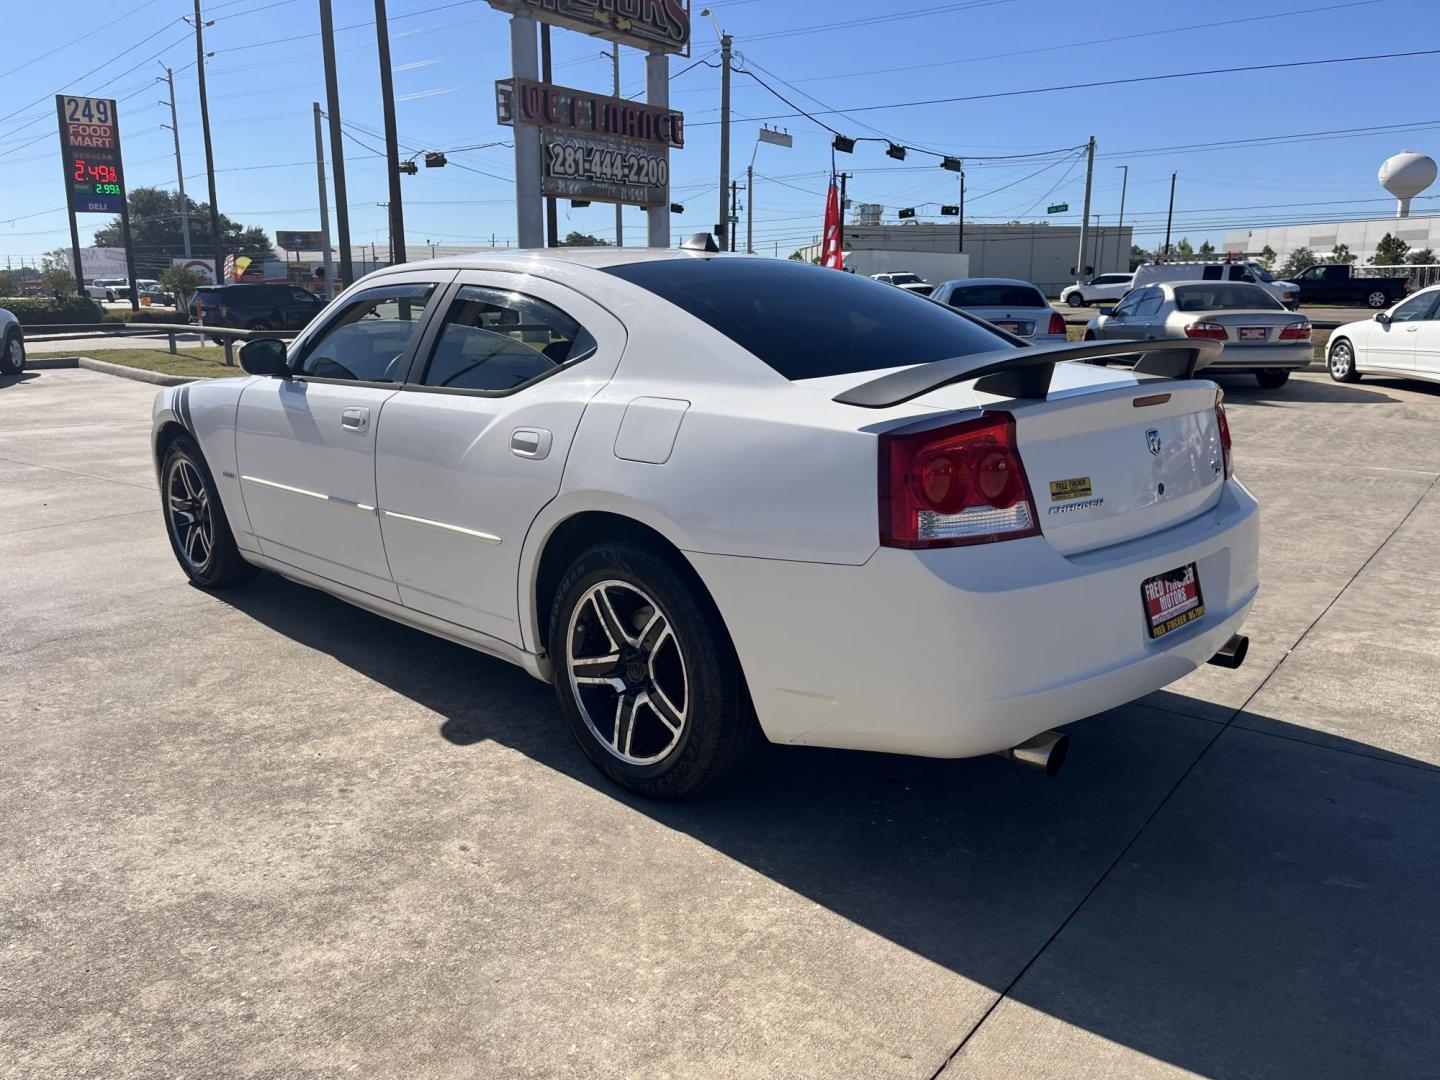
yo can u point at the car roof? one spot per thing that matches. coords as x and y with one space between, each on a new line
992 281
599 258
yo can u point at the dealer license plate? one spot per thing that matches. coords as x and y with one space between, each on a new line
1252 333
1172 600
1009 327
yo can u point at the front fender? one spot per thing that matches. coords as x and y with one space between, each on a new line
206 410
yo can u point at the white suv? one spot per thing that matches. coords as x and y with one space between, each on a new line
1100 287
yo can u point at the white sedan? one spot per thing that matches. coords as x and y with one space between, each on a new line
714 498
12 344
1403 341
1016 307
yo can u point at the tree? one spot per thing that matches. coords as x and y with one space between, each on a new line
1343 254
181 283
580 239
1423 257
1296 261
1139 256
9 283
1183 248
1391 251
55 275
1267 257
155 229
1207 250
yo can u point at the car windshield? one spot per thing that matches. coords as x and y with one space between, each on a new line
1224 296
968 296
806 322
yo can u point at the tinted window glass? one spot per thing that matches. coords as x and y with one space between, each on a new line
1210 273
1148 303
967 296
368 340
807 322
497 340
1127 303
1231 296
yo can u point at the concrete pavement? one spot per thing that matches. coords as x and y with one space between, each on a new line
263 834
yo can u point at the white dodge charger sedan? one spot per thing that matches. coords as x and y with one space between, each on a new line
714 498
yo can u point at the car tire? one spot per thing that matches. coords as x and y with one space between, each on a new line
195 520
1341 362
1378 299
646 674
12 355
1271 379
1075 299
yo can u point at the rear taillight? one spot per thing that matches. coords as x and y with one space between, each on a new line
1213 331
959 484
1057 323
1224 426
1296 331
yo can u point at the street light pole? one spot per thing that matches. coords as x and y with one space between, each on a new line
1170 217
1085 212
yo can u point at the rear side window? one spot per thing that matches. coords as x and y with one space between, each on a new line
1211 273
496 341
806 322
966 296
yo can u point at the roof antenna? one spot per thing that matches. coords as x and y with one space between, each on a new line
701 241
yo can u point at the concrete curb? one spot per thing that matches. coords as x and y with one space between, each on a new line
51 363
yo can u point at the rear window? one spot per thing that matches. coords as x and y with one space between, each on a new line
1223 297
807 322
968 296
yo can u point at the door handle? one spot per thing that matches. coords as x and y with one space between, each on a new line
355 418
530 442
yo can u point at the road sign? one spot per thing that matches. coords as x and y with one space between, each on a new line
734 219
1057 208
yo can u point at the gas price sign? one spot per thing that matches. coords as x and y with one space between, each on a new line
90 145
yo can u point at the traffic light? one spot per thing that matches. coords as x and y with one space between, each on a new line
409 168
844 145
435 159
949 211
908 212
677 208
954 164
896 151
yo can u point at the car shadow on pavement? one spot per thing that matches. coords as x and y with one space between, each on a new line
1241 389
1224 900
14 380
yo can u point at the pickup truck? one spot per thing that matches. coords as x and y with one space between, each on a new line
1337 283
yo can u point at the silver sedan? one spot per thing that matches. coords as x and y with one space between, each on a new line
1261 335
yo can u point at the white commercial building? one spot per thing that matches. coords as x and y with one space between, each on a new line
1031 251
1322 237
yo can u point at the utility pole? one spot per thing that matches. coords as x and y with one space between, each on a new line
1170 217
552 221
962 211
209 151
619 207
750 207
329 289
337 145
392 142
179 167
734 209
1120 233
1085 213
840 239
727 242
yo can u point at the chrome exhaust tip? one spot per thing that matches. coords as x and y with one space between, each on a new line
1232 653
1045 751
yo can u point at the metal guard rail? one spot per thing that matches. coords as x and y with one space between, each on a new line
227 334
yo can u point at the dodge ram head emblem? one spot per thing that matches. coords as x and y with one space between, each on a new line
1152 440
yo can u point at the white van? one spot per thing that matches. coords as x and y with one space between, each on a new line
1287 292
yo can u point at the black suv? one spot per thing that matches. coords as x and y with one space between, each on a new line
254 307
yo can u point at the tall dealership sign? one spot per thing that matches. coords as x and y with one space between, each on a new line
575 144
94 171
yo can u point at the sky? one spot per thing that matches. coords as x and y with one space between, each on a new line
856 67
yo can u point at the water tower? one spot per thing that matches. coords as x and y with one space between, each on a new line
1406 175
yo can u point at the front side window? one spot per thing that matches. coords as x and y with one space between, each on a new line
1148 303
369 339
496 341
1415 309
1127 303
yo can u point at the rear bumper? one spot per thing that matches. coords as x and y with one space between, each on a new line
965 651
1253 357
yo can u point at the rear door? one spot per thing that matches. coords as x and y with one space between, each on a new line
306 445
475 444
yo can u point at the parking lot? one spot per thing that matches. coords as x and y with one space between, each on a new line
265 834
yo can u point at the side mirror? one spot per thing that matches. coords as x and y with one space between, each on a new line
265 356
1382 318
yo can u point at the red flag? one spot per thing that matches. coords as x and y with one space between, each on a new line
830 253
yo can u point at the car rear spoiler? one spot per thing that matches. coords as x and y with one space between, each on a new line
1025 373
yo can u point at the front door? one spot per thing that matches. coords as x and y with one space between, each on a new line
1392 345
305 446
475 444
1427 341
